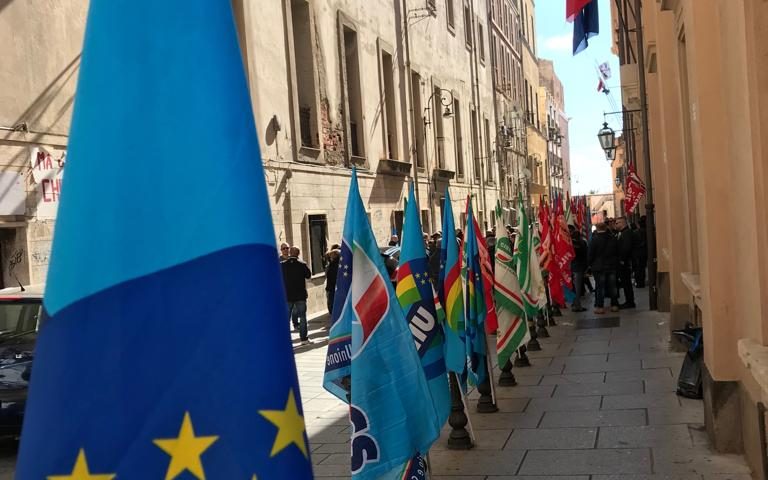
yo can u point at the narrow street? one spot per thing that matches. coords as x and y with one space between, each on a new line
597 404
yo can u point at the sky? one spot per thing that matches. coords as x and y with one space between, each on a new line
583 104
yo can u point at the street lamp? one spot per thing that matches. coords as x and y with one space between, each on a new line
607 138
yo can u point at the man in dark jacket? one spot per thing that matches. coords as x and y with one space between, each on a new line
331 272
578 267
433 259
640 255
626 239
295 275
603 260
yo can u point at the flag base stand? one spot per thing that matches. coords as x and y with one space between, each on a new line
533 343
485 403
541 323
556 311
459 438
522 359
507 378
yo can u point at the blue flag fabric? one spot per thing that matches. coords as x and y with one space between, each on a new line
451 293
389 424
474 304
422 310
152 361
585 26
338 365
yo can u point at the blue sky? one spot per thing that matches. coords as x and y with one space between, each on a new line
585 106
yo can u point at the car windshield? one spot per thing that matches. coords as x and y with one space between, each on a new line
19 319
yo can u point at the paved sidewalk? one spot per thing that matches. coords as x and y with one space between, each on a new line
597 404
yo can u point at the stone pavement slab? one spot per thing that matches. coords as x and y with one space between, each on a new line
552 438
602 418
619 402
651 436
570 404
592 389
573 378
696 460
571 462
476 462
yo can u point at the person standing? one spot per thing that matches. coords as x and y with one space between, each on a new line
433 259
578 267
284 251
331 272
295 276
603 260
640 257
490 242
626 239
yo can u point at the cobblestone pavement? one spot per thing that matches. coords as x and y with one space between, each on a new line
597 404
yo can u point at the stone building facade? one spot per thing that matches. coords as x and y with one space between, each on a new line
38 75
383 85
706 65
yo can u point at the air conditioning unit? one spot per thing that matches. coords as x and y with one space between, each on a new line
432 7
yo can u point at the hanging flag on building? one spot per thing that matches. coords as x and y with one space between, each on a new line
422 309
573 7
586 24
451 293
393 419
634 191
474 303
166 354
605 70
513 329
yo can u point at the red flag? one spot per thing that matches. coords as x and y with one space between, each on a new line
491 321
544 249
635 190
573 7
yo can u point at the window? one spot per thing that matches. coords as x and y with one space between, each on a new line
354 103
318 242
481 41
476 153
439 127
458 141
467 25
488 153
305 72
449 14
425 225
417 119
397 222
388 102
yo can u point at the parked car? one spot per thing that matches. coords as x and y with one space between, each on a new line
21 314
391 257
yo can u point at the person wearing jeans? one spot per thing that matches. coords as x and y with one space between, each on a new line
603 260
606 287
298 312
578 267
295 275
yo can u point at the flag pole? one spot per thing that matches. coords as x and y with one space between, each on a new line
459 438
487 402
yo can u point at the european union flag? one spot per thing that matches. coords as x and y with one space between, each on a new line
166 354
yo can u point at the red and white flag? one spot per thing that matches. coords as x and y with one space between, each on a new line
573 7
634 191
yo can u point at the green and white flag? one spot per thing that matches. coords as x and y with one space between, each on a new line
527 263
510 309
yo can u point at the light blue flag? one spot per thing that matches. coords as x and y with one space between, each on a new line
389 427
451 293
166 353
422 309
474 304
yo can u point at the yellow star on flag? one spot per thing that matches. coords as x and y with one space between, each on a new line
80 471
185 450
290 427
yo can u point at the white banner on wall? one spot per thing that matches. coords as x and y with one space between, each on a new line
47 172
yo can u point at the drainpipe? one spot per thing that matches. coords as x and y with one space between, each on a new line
409 82
476 94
